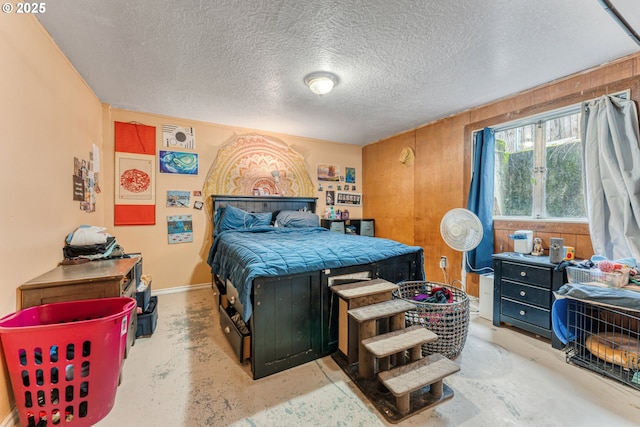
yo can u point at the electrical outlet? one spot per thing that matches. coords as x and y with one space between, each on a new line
443 261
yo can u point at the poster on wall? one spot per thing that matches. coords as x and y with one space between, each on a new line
178 162
328 172
85 182
135 196
136 178
178 137
330 198
353 199
350 175
78 188
178 199
180 229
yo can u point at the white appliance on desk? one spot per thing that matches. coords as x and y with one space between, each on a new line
522 241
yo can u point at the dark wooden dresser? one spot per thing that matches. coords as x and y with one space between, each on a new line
523 293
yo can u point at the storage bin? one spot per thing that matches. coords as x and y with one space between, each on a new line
144 298
449 321
595 276
148 320
64 359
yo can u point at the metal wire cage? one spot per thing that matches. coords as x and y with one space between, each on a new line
605 340
449 321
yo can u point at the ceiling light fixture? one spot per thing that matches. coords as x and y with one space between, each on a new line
321 82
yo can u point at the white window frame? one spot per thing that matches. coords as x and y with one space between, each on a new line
539 190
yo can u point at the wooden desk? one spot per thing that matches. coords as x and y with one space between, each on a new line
94 279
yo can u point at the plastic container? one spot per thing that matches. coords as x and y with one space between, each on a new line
148 320
596 277
144 297
64 359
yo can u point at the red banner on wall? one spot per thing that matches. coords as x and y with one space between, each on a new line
135 152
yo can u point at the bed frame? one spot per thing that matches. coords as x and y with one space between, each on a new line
295 317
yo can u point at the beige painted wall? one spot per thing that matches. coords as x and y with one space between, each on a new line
48 116
186 263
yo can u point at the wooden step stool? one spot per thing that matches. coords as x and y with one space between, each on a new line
383 346
355 295
367 316
403 380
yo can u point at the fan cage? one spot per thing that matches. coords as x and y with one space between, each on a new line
450 321
466 224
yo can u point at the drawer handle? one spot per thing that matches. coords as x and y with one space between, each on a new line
522 313
523 273
232 300
227 330
522 293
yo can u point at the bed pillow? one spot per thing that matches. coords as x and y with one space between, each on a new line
217 220
297 219
234 218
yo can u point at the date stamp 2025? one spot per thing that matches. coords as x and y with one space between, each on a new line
24 8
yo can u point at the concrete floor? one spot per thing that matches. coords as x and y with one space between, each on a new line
187 375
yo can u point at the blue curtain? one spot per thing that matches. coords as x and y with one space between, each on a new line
481 197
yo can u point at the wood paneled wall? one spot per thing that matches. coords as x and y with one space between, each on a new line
573 234
408 203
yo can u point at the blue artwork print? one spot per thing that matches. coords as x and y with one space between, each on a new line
178 162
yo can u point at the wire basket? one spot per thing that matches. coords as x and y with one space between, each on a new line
64 359
449 321
596 277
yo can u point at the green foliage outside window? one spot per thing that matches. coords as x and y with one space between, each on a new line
564 194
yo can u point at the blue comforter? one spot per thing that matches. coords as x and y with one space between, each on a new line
243 255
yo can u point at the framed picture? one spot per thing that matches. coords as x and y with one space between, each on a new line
352 199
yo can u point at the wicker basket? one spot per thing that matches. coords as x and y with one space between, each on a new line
450 321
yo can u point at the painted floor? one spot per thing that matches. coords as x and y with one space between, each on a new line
186 375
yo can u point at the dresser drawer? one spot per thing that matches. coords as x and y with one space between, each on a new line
529 274
527 294
526 313
240 342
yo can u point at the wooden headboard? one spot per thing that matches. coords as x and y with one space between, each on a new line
265 203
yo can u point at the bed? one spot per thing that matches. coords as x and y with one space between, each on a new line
273 266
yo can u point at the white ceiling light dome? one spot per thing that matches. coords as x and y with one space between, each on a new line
321 82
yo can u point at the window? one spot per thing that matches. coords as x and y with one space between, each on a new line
539 168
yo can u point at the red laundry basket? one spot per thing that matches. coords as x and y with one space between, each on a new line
64 359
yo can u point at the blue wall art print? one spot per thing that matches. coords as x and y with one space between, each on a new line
178 162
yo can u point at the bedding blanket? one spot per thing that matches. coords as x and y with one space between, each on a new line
243 255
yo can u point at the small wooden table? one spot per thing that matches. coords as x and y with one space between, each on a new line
94 279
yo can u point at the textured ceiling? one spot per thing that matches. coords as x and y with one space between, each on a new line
401 63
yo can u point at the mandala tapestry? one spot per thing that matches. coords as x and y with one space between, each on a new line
254 165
